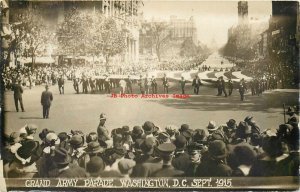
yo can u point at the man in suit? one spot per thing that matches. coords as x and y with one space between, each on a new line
182 84
223 86
196 84
129 84
18 91
46 100
61 84
242 89
165 81
154 85
166 152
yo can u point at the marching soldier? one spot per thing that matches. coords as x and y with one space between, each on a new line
223 86
219 86
76 84
242 89
141 84
18 91
61 84
196 84
107 84
154 85
129 84
165 84
182 84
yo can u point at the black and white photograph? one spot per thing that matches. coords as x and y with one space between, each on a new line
149 95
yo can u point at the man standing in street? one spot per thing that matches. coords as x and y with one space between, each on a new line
223 86
46 100
154 85
61 84
18 91
129 84
242 89
165 84
196 84
182 84
219 86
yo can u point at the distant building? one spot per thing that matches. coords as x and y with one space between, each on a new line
181 28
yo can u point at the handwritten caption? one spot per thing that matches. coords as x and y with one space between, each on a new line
131 183
150 96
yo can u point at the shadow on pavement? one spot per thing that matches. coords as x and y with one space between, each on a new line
31 118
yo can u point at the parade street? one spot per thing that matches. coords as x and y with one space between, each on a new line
81 111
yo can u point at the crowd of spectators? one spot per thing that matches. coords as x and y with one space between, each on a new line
232 149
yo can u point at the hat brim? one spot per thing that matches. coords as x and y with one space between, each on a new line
65 162
212 129
100 150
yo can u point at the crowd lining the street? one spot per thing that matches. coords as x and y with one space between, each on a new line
232 149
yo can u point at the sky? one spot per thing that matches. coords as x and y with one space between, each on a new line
212 18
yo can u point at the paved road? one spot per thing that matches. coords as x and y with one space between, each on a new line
81 111
214 61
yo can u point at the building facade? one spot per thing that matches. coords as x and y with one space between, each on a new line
181 28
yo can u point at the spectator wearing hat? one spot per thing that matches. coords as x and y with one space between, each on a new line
146 165
64 140
269 165
103 134
95 166
148 128
136 133
46 100
245 156
194 151
181 158
22 165
230 129
163 137
254 127
211 127
172 131
45 164
18 91
77 150
166 152
127 139
126 166
65 169
216 166
92 136
200 136
9 150
111 158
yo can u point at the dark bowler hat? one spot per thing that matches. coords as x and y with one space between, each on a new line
199 135
94 147
148 127
61 156
148 145
137 130
243 130
125 129
272 146
31 129
163 135
194 148
187 134
166 149
63 136
231 124
95 166
180 142
76 141
43 133
217 149
184 127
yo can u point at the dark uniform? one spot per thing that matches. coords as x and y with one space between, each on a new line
182 85
223 87
165 81
18 91
141 85
242 89
129 85
154 85
166 151
85 83
76 84
46 100
196 83
61 85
